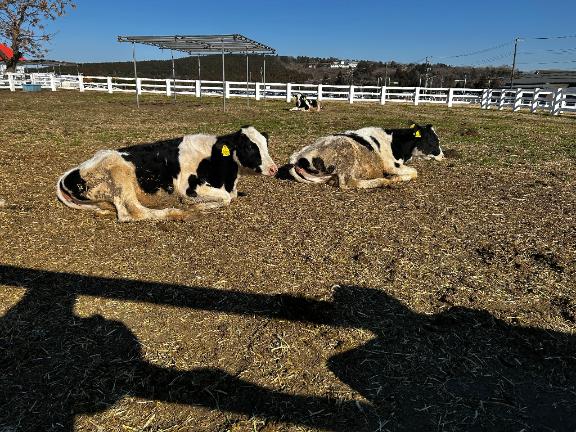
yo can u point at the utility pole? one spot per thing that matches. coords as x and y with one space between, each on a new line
428 69
386 74
514 62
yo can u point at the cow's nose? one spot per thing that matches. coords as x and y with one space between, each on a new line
273 170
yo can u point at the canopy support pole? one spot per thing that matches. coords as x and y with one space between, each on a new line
223 80
173 75
135 74
264 77
198 56
247 72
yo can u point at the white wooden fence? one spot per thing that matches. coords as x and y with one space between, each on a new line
554 101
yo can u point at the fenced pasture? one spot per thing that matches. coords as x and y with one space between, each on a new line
552 101
447 303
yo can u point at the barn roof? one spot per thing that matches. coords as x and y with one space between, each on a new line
203 44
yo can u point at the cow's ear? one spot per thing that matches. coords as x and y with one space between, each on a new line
265 135
414 125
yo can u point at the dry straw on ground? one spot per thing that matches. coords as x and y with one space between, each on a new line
447 303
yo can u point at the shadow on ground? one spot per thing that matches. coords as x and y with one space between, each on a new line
458 370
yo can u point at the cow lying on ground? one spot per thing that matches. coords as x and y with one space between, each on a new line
146 181
366 158
305 104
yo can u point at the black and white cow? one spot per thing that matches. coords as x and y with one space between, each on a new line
305 104
365 158
148 181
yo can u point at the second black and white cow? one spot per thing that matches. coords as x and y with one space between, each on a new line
149 181
305 104
365 158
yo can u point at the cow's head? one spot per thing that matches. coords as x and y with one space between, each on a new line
251 152
427 143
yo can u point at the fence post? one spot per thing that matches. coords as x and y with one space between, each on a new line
258 91
489 98
319 95
81 83
502 99
535 97
416 95
289 92
138 86
109 83
168 87
517 99
383 95
226 89
11 82
484 99
198 88
556 102
351 94
450 97
52 82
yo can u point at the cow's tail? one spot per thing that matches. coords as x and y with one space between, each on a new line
71 191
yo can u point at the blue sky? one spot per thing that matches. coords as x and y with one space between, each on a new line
404 31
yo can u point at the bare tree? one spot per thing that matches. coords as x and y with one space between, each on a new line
22 26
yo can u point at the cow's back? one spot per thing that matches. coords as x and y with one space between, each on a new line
156 165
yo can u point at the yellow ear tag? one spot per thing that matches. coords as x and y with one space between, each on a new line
225 150
417 134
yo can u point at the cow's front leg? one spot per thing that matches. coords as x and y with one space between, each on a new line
401 172
205 197
367 183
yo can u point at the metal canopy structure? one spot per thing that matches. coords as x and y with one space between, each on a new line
203 45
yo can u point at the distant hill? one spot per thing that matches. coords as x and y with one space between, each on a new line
305 70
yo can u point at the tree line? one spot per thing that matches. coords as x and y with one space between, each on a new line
303 70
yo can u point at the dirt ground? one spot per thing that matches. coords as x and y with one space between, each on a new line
444 304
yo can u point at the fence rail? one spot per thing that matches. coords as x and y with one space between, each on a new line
554 101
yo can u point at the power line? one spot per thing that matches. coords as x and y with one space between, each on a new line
552 37
551 51
552 62
508 53
477 52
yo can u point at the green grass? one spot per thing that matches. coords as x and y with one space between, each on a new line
499 138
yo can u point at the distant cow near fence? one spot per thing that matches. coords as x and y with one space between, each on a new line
148 181
305 104
365 158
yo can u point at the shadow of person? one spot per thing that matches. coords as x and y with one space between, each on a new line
462 369
56 365
459 370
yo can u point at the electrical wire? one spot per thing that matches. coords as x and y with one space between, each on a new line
508 53
552 62
477 52
552 37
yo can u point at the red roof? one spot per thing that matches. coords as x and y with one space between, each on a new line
7 51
